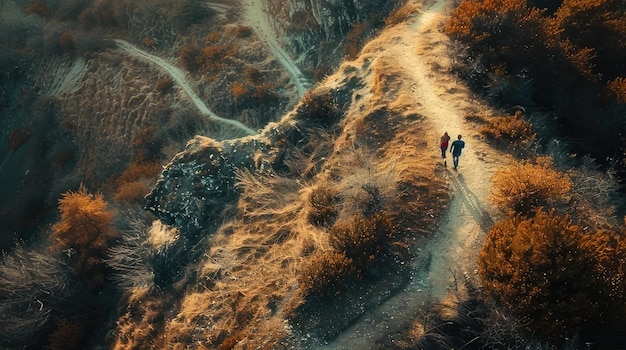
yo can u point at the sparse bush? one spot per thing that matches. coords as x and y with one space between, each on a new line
67 335
138 171
617 88
323 211
549 270
319 108
85 229
164 85
368 242
189 57
149 42
133 191
327 275
239 90
512 131
252 75
522 188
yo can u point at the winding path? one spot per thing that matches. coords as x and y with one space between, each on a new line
180 78
448 257
255 16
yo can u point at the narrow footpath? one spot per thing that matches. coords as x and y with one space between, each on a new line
180 79
419 48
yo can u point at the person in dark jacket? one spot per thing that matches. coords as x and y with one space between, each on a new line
455 149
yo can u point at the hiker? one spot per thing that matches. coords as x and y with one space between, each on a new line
455 149
443 144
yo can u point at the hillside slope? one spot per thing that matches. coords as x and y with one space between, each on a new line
247 203
415 53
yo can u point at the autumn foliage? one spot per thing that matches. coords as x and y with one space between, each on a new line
523 188
326 275
566 61
368 242
511 131
86 230
550 271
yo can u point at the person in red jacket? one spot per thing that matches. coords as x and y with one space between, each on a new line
443 144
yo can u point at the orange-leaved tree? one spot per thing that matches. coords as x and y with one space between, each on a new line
551 272
85 231
503 31
599 25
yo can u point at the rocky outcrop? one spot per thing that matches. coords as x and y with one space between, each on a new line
196 185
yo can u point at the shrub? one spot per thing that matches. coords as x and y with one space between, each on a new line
506 31
617 88
328 274
139 261
522 188
366 241
597 28
189 57
319 107
239 90
323 211
511 130
86 229
138 171
164 85
149 42
134 191
66 336
547 269
252 75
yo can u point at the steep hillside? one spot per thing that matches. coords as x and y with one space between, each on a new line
367 135
231 198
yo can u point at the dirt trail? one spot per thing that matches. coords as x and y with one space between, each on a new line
449 255
255 16
180 79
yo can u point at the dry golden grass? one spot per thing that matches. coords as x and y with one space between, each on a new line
371 156
142 321
160 234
